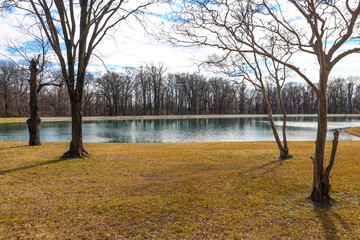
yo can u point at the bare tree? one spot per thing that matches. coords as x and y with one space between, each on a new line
109 87
278 74
89 94
54 100
350 87
336 95
144 84
156 74
80 25
319 29
13 87
250 68
255 69
36 45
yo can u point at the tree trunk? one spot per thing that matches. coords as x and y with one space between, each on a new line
34 121
286 149
284 152
144 103
76 145
6 106
321 187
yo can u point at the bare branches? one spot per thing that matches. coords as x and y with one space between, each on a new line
233 26
73 39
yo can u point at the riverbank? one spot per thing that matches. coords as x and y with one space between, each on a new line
174 191
7 120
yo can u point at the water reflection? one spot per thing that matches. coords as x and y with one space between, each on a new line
181 130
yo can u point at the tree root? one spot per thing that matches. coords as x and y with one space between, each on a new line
285 157
321 191
81 153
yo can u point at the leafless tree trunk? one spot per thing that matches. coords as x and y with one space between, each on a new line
34 121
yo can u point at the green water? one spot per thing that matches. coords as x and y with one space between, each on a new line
181 130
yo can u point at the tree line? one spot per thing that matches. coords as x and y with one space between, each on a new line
150 90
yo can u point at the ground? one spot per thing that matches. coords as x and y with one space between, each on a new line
174 191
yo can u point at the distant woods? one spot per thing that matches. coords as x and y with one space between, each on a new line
150 90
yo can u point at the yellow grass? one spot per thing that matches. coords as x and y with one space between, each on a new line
174 191
10 120
353 131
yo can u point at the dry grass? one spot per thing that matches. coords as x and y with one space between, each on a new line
174 191
10 120
353 131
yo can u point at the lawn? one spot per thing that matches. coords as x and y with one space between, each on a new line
174 191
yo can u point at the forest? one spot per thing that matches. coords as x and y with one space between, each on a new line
151 90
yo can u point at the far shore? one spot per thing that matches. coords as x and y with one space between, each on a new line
153 117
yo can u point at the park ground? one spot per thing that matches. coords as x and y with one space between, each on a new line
234 190
174 191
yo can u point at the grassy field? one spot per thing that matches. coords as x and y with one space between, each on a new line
174 191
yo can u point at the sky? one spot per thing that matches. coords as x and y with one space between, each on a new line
129 45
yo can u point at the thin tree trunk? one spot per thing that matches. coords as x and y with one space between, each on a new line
144 103
286 149
283 154
125 106
34 121
6 106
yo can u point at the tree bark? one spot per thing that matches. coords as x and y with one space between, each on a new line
320 192
286 149
321 185
76 145
34 121
284 152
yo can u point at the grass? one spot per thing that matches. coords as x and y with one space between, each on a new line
353 131
174 191
10 120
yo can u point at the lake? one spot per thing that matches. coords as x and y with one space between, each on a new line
181 130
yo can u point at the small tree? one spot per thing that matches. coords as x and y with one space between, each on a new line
255 69
32 43
13 87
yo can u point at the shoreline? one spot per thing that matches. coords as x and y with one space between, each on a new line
166 117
